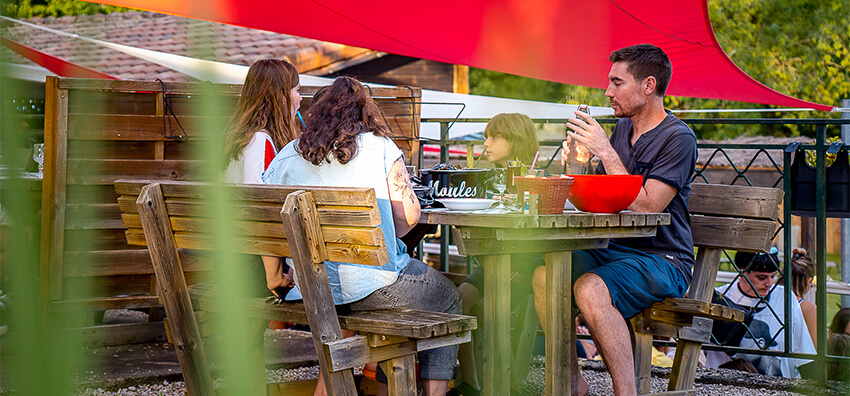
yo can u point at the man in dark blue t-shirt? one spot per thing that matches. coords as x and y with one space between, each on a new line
613 284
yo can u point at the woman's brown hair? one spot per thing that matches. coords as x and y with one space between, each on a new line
802 269
519 131
336 118
265 104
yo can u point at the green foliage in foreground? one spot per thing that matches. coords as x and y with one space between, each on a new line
797 47
22 9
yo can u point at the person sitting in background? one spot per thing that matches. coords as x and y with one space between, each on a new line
802 273
509 137
838 345
840 322
263 122
755 289
347 144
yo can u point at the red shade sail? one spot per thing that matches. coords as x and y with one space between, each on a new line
566 41
56 65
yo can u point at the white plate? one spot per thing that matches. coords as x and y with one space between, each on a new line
466 203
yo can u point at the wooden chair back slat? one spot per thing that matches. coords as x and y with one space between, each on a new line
732 233
735 201
350 231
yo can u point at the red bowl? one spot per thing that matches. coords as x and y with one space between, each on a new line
604 193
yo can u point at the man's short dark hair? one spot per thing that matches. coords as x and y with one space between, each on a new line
646 60
759 262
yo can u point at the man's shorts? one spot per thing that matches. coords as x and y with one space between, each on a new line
635 279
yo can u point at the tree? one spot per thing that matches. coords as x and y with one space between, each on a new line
797 47
22 9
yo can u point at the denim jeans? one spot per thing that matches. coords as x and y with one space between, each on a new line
420 287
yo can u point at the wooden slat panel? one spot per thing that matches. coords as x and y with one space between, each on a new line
94 84
103 303
95 239
137 127
253 192
126 262
109 149
735 201
111 102
732 233
120 334
116 285
109 170
80 194
699 308
93 216
261 211
195 88
336 252
332 234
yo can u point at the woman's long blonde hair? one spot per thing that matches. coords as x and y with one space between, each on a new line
264 105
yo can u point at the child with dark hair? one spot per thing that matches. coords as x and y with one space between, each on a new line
755 289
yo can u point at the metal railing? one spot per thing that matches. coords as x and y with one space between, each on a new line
783 181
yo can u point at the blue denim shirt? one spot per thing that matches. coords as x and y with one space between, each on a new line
369 168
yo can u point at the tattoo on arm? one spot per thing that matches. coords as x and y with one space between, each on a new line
401 183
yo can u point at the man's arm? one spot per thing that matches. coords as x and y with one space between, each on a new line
654 196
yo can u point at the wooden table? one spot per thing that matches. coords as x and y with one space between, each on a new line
494 237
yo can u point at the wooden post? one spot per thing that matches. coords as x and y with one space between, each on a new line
174 292
642 348
53 192
401 375
497 327
304 235
702 289
559 323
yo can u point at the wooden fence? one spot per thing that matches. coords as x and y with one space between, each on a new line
98 131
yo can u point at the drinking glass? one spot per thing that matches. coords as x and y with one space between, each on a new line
500 183
38 156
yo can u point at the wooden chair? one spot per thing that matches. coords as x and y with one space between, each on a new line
722 217
318 224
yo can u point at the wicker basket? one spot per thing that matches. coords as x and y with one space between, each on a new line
552 191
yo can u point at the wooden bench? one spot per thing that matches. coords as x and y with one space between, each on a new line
309 224
722 217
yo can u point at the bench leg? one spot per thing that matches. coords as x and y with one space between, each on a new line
642 347
527 324
684 365
401 375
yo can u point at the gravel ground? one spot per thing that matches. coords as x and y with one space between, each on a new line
708 382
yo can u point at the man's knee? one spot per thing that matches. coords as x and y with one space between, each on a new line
589 289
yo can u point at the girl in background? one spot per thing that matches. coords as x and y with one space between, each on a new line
264 121
802 273
510 136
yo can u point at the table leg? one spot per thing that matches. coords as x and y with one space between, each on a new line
496 328
559 323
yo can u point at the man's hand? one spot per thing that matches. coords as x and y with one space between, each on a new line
586 131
